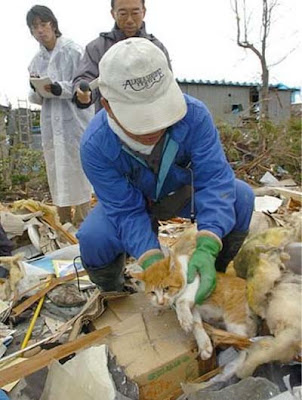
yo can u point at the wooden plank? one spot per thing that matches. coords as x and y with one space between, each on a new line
41 360
221 337
37 296
203 378
50 220
289 193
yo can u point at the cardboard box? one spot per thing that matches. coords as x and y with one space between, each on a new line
155 352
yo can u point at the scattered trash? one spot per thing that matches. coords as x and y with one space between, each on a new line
47 302
267 204
269 180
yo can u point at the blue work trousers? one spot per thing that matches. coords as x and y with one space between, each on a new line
100 244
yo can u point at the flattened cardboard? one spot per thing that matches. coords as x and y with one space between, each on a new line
155 352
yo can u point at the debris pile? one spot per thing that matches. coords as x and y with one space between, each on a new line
61 338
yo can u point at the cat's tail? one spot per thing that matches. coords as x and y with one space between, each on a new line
283 347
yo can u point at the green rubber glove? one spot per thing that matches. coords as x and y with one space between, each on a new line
202 262
150 257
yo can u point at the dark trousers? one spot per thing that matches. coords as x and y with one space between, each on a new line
6 245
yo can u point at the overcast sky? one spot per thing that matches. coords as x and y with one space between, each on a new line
200 36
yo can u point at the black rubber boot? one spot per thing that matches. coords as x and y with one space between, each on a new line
231 245
110 277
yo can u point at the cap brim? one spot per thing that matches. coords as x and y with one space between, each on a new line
141 119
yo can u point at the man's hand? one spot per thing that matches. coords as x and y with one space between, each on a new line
54 88
202 262
83 97
150 257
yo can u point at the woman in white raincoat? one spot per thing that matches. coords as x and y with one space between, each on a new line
62 123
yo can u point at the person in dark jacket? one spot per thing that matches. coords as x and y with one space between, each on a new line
154 153
6 247
128 16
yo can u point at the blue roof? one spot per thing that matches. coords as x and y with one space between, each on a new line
279 86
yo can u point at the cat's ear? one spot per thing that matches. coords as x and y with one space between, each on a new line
137 275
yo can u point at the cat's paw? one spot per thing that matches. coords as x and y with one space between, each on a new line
186 321
206 353
205 348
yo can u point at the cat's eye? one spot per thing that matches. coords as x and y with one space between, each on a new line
166 289
152 292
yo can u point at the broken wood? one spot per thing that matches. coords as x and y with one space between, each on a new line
33 321
203 378
22 352
224 338
50 221
94 308
219 338
248 166
279 191
18 296
41 360
37 296
289 194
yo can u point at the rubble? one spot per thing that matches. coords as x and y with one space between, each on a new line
46 270
246 389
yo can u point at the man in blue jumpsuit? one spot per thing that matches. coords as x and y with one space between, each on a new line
154 153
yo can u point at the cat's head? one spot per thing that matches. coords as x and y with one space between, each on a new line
163 281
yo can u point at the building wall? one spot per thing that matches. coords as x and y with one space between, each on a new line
296 110
222 101
279 105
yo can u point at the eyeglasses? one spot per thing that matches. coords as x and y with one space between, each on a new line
41 24
123 14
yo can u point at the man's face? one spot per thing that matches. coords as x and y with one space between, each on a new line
44 33
148 139
128 15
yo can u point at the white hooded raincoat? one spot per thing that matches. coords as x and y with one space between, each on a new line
62 124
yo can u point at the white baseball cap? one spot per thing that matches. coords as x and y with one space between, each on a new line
140 88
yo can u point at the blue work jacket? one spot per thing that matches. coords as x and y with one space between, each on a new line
123 181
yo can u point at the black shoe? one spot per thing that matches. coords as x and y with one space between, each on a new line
109 277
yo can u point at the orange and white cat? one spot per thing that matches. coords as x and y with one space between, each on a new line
166 284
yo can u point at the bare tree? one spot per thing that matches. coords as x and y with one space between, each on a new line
243 40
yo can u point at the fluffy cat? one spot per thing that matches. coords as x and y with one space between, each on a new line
166 284
283 318
273 294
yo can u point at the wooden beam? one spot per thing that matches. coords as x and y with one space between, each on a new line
37 296
221 337
289 193
50 220
203 378
44 358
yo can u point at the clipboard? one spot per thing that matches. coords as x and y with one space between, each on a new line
39 84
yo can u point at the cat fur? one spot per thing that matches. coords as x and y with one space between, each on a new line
273 294
166 284
282 314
